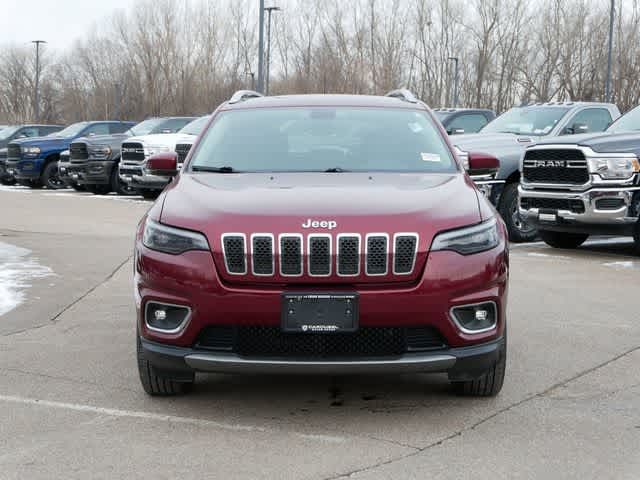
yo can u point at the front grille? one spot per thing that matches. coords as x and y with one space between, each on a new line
571 167
319 255
269 341
133 151
263 253
78 152
376 254
575 206
14 152
235 253
182 150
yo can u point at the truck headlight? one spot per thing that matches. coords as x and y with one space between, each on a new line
469 240
31 151
100 150
172 240
614 168
153 149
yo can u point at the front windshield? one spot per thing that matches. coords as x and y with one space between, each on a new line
195 127
6 132
145 127
323 139
629 122
72 130
534 120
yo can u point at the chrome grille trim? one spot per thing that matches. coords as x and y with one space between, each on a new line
367 253
285 236
224 251
339 262
310 254
396 237
269 236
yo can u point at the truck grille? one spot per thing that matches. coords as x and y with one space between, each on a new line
269 341
78 152
182 149
263 256
555 166
133 151
14 152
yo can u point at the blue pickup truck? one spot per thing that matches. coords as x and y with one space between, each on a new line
34 161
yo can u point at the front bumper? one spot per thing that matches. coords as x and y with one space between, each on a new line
3 169
92 172
149 182
590 217
461 363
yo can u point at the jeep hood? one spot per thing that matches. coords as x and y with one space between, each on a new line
358 202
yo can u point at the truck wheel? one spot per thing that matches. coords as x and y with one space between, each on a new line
78 188
636 238
489 384
8 181
118 186
154 384
50 178
519 229
563 239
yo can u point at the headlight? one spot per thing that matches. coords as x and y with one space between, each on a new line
172 240
31 150
609 168
153 149
469 240
100 150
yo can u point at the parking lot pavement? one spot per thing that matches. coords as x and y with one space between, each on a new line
71 405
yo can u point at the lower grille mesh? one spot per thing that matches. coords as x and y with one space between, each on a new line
266 341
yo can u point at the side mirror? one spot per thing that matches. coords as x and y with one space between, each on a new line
456 131
576 128
163 164
482 164
167 130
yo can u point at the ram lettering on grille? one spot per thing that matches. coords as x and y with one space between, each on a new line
293 255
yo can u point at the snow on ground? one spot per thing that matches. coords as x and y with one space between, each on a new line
17 269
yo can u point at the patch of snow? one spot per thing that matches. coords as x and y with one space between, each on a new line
17 269
621 264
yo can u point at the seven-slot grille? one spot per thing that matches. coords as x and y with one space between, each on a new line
555 166
291 255
14 151
78 152
182 150
133 151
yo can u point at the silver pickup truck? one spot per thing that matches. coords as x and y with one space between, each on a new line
507 136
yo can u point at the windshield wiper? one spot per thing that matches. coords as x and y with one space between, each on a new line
335 170
225 169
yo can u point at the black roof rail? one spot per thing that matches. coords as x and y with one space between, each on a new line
403 94
242 95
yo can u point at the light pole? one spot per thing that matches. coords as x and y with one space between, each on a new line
607 88
261 49
455 81
269 10
37 104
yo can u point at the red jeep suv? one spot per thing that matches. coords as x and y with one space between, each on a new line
322 234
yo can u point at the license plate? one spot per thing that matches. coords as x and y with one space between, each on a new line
548 217
319 312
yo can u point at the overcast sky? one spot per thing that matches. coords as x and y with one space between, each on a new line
59 22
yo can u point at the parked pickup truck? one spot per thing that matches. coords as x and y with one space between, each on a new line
457 121
34 161
136 150
508 135
93 162
15 132
573 187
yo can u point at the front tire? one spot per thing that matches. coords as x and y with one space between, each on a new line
563 239
519 229
157 385
636 238
489 384
50 177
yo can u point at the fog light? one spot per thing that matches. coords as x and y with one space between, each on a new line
475 318
166 318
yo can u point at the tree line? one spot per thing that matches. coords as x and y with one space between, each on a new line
169 57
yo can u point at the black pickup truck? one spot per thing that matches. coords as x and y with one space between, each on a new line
576 186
